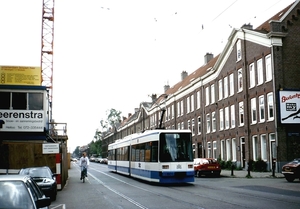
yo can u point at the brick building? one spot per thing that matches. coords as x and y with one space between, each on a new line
233 103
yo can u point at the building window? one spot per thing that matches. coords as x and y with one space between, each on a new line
187 104
261 108
221 119
228 150
226 117
273 146
181 107
189 124
193 127
241 113
270 106
178 126
223 152
260 76
198 100
252 75
263 145
232 116
207 96
199 125
208 150
231 84
220 85
192 103
212 93
172 107
178 109
240 80
255 148
253 110
225 87
214 149
238 50
233 150
214 121
268 68
182 125
208 123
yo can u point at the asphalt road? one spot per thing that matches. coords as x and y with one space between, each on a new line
105 189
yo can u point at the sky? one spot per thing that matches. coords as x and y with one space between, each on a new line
115 53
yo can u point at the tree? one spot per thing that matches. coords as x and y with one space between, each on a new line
113 117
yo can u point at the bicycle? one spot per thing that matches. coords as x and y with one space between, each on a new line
83 174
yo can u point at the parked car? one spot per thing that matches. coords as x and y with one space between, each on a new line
98 159
291 170
206 166
92 159
103 161
20 191
44 178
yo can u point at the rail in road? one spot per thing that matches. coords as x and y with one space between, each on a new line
104 189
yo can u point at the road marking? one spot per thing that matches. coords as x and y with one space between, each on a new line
118 193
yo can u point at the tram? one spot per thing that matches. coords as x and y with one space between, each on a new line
161 156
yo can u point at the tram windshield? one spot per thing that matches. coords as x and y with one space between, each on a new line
175 147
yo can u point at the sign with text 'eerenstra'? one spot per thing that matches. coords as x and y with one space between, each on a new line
22 120
20 75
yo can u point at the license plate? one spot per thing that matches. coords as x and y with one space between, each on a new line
211 167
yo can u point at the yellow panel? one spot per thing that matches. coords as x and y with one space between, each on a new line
20 75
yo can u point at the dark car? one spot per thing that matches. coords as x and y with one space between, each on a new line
291 170
207 167
20 191
44 178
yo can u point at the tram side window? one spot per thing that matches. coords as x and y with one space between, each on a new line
5 100
154 152
133 150
19 101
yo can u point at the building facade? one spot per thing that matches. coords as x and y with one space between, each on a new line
233 104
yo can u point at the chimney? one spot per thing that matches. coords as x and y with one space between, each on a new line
136 110
124 118
166 87
248 26
184 74
208 57
129 115
153 97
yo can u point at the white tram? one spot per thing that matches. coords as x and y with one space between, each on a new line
162 156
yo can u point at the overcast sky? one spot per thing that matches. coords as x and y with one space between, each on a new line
114 53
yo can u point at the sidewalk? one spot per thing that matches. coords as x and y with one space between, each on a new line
244 173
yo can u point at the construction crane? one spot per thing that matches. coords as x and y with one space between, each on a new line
47 48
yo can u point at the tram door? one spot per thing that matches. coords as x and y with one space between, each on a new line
129 159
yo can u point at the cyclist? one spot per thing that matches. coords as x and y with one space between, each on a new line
84 163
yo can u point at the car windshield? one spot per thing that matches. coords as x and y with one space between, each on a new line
37 172
295 161
175 147
13 194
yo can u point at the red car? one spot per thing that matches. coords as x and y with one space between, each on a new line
207 167
291 170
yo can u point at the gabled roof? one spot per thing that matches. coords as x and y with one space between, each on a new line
266 26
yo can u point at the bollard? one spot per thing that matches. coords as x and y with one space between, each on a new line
273 167
232 167
249 167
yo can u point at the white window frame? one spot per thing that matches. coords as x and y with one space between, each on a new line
207 96
232 116
208 149
213 122
251 75
193 126
228 150
241 114
226 113
225 87
238 50
212 93
181 107
255 147
260 73
240 80
253 111
262 114
270 103
192 103
234 153
199 125
268 63
178 109
231 84
221 115
208 123
188 104
263 147
198 100
220 85
214 149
